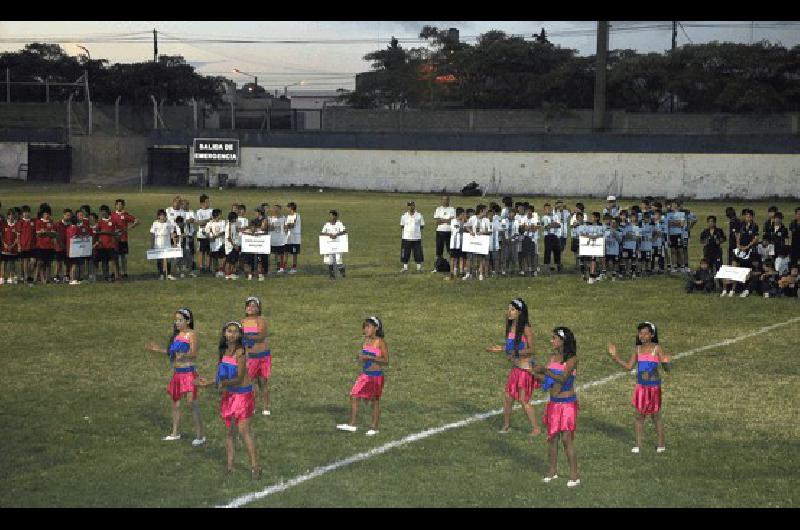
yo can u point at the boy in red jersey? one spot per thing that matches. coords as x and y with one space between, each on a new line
124 222
9 249
62 270
27 229
45 229
106 245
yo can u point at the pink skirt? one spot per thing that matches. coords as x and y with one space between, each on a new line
367 387
261 367
237 407
519 378
182 383
560 417
647 399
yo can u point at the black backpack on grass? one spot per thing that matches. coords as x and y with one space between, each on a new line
442 265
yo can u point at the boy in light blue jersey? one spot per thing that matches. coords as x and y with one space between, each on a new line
676 220
630 242
659 240
646 243
577 230
613 237
691 220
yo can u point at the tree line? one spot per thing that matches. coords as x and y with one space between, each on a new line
504 71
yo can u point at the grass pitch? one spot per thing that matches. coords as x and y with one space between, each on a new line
85 405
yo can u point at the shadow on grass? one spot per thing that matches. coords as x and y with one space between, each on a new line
610 430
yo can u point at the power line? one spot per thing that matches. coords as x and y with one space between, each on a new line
684 32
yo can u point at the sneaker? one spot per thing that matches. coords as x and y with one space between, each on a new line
419 268
234 277
480 277
281 271
404 269
590 281
191 274
466 276
573 483
261 277
249 276
372 432
170 277
522 273
266 413
766 295
744 294
635 450
74 282
547 480
730 293
660 449
2 281
723 294
347 427
162 277
220 274
170 438
197 442
183 275
292 271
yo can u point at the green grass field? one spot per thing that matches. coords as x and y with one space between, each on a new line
84 405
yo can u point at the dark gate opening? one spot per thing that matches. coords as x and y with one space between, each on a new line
168 165
49 162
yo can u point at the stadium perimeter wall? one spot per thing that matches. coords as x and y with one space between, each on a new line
12 156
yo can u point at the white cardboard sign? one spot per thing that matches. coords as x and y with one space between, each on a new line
80 247
337 245
253 244
737 274
593 248
165 253
476 244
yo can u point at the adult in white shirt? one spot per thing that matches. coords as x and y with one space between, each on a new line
176 209
190 229
334 228
294 228
163 237
202 217
564 213
443 215
551 223
411 225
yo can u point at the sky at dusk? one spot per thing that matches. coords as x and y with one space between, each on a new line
329 63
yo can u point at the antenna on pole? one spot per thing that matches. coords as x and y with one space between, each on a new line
155 45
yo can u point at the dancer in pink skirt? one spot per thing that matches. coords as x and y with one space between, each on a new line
259 356
519 351
561 414
237 404
182 351
647 394
369 385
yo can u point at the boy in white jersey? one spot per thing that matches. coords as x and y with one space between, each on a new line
494 246
484 228
277 232
293 234
202 217
471 226
332 229
457 261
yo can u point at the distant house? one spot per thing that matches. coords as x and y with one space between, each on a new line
310 104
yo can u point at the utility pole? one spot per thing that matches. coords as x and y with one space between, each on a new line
8 85
672 53
599 119
155 45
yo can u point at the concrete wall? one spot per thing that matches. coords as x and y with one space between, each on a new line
12 154
700 176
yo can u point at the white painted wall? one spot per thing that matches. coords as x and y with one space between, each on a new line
12 154
699 176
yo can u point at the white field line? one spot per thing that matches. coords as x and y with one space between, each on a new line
283 486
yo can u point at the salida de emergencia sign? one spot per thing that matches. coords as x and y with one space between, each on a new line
216 152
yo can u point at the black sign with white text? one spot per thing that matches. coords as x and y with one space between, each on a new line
216 152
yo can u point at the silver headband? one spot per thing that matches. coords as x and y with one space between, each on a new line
185 312
518 304
253 299
652 326
375 321
561 333
232 323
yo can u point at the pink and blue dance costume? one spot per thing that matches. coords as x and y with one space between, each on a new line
369 384
519 377
182 381
561 414
647 395
237 401
259 364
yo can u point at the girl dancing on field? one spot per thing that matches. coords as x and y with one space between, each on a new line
647 394
237 404
259 357
519 351
182 351
561 414
369 385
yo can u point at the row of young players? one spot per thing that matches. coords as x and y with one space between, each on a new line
34 244
634 241
245 358
217 239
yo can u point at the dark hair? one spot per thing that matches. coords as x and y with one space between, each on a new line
546 204
778 215
93 214
596 214
652 328
179 219
772 209
496 208
507 201
292 205
86 208
160 212
120 200
334 213
711 218
580 213
607 217
769 263
459 211
44 208
105 208
216 212
379 331
470 211
183 311
570 344
580 206
704 260
26 208
232 217
223 342
658 205
243 207
203 197
522 321
68 210
480 208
